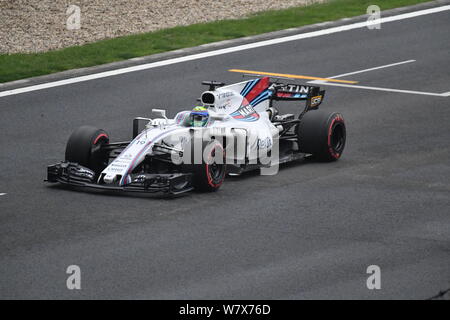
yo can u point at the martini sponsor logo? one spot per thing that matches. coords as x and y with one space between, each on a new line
295 88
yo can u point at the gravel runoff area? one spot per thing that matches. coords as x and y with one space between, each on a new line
40 25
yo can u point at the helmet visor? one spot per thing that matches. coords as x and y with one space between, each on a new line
199 119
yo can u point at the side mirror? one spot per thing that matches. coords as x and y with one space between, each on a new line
159 112
136 122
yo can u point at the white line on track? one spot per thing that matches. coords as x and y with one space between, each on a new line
259 44
372 69
445 94
2 194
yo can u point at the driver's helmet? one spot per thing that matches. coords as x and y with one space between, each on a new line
199 117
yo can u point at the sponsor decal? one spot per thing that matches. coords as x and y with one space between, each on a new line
224 95
291 95
315 101
265 143
254 92
225 106
293 91
245 113
295 88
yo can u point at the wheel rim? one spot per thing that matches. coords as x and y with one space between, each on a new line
215 169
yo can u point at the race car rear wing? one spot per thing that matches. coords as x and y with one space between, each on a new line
294 92
297 92
290 92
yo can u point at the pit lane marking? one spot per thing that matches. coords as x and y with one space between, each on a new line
213 53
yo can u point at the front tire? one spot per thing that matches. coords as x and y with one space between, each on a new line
322 134
208 175
84 148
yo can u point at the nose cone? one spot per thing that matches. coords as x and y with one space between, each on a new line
109 178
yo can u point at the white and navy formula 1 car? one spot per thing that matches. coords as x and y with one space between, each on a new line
235 129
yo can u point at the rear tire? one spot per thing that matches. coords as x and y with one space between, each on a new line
322 134
84 148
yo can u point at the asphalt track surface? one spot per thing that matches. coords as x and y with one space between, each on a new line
308 232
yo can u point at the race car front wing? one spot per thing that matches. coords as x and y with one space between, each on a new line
73 174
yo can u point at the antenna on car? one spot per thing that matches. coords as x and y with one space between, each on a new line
213 84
